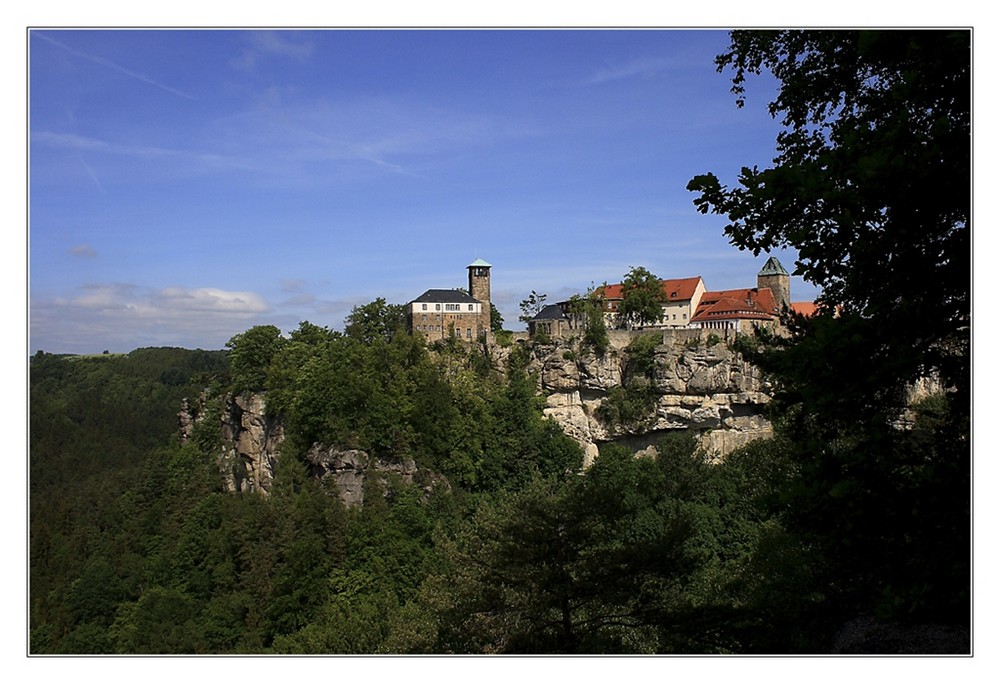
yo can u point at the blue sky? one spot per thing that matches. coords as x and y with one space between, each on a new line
186 185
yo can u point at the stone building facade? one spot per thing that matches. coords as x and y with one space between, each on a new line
438 314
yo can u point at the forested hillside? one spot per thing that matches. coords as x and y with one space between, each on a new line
848 531
135 548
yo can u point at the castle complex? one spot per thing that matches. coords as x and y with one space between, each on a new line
438 314
688 304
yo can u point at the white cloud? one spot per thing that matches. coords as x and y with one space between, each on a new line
209 300
282 43
267 43
644 67
124 316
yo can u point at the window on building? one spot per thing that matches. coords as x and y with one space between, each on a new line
470 307
468 333
424 307
685 316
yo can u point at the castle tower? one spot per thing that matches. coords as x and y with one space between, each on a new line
479 288
776 278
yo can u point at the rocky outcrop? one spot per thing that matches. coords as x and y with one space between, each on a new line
251 444
696 380
251 448
347 470
191 415
187 418
699 383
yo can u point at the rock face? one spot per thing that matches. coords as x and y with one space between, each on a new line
251 447
186 420
695 379
346 470
698 383
251 443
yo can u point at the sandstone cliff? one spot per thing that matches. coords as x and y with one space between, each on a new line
696 380
251 442
251 447
693 380
347 470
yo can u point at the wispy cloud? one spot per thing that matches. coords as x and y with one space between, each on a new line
80 143
282 44
641 67
139 160
271 43
112 65
310 141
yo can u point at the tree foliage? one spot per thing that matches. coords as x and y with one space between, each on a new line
496 318
589 309
643 298
135 548
638 556
250 354
374 320
530 306
871 186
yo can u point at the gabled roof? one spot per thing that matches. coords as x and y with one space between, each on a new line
479 262
446 297
773 267
747 303
676 289
552 312
730 309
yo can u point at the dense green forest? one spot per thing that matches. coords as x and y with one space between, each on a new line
859 507
135 548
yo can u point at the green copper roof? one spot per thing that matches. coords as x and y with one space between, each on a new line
479 262
773 267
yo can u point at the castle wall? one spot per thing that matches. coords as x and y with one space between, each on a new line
437 325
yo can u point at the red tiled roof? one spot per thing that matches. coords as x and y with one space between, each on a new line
676 289
806 309
746 303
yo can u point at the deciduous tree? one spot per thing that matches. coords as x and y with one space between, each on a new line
870 185
642 298
531 306
375 319
250 354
